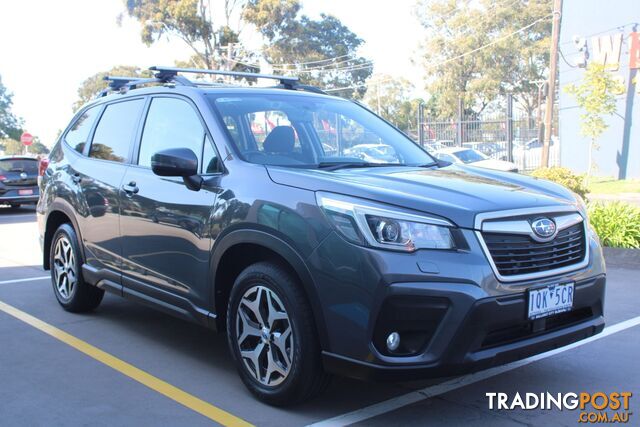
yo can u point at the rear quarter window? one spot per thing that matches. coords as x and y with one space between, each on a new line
78 135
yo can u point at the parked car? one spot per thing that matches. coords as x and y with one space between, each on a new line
312 263
18 180
529 153
474 158
494 150
373 153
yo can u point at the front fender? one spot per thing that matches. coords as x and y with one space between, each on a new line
278 244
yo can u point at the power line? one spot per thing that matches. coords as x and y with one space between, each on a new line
458 56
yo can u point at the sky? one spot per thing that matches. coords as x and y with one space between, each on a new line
48 48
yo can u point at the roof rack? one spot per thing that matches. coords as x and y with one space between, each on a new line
118 83
170 75
171 72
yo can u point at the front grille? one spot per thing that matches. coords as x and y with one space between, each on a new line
515 254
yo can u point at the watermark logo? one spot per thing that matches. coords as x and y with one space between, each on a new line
593 408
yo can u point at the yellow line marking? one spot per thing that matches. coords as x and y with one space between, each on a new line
174 393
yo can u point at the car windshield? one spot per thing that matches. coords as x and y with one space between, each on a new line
469 156
19 165
307 131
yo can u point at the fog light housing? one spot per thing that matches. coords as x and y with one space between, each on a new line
393 341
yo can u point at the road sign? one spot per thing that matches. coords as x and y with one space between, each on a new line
26 138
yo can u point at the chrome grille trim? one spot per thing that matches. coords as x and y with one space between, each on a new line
564 216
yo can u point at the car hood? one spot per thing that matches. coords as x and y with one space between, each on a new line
454 192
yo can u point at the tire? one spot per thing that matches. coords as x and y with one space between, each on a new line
65 259
286 331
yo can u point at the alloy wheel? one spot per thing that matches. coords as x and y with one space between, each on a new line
64 268
264 336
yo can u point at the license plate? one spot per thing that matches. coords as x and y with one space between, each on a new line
25 192
552 299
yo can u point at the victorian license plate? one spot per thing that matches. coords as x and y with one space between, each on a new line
25 192
549 300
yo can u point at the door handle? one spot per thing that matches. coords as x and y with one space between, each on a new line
130 188
76 178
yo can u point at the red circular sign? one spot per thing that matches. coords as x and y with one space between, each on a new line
26 138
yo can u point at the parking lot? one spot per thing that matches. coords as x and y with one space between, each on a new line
126 364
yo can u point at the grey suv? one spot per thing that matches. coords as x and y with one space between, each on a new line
242 209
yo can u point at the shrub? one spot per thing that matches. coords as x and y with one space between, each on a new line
565 177
616 223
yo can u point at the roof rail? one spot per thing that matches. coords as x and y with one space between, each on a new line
170 72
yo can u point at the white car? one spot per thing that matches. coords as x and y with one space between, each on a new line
474 158
373 153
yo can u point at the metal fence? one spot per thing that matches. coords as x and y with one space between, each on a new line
503 134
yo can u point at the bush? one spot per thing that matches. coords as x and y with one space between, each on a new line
616 223
565 177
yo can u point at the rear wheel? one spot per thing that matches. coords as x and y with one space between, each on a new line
272 336
69 287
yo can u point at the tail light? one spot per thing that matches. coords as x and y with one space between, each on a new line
2 178
42 166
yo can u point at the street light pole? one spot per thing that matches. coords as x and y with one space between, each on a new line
553 70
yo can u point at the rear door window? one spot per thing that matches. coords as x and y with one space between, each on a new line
114 134
78 135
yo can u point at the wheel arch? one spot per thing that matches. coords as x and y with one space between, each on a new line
255 246
59 213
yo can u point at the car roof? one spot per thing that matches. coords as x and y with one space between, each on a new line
208 90
453 150
18 157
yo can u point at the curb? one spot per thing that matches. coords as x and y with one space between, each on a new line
619 257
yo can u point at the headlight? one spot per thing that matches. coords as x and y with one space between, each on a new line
364 222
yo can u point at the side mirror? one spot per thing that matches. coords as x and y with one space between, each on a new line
175 162
181 162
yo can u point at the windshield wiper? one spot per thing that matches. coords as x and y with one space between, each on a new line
332 166
428 165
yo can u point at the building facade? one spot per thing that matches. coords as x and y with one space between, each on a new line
607 33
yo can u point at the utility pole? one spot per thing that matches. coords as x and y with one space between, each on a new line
229 56
542 84
553 71
378 95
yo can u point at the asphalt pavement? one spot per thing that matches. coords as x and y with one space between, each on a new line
126 364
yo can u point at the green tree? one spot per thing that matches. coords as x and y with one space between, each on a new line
596 96
322 51
10 125
93 85
191 21
38 148
474 51
391 99
11 146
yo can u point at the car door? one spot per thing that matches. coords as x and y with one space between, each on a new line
165 225
99 175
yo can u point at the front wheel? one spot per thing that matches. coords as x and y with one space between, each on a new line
272 336
69 287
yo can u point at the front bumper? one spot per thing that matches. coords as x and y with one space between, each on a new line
475 335
471 320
